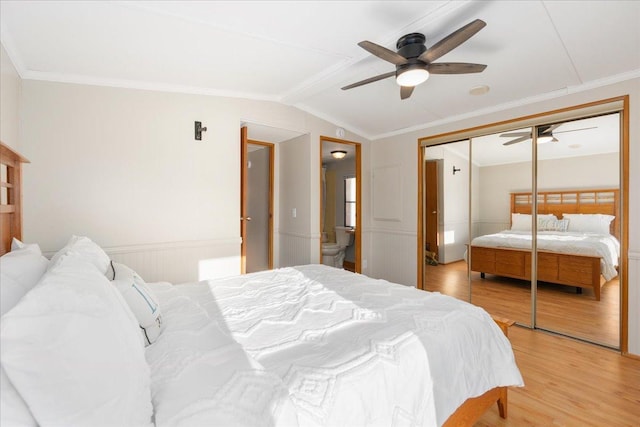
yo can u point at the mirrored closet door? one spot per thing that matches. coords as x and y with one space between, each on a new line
446 217
578 233
528 222
500 262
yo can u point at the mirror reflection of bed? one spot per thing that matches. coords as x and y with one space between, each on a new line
578 236
577 174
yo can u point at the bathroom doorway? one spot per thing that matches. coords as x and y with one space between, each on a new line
340 204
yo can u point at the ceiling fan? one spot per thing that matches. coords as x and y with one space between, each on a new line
414 62
545 134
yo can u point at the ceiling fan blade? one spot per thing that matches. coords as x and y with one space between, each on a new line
547 130
574 130
521 139
455 68
515 134
406 91
383 53
452 41
370 80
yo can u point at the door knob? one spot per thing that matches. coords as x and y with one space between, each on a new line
434 212
246 218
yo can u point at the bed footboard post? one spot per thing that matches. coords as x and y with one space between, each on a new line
504 325
502 403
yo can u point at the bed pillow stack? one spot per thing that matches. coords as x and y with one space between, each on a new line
140 300
133 289
71 347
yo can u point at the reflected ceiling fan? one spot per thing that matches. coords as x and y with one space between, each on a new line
545 134
414 62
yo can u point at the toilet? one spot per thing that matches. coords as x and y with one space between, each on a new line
333 253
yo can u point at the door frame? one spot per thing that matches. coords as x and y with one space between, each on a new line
597 107
358 232
244 156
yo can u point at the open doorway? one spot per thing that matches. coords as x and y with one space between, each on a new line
259 195
340 204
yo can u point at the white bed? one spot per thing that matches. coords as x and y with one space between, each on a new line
309 345
604 246
321 346
578 239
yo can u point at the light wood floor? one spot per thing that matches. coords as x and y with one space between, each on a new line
569 383
559 308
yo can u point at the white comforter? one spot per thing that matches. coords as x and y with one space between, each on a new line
606 247
313 345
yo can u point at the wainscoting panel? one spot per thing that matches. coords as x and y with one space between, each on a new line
180 262
393 256
294 249
634 303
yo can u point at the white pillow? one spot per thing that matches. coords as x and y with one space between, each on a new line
17 244
87 249
522 222
552 224
589 223
72 350
141 301
20 270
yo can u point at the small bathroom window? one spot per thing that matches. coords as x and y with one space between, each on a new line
350 202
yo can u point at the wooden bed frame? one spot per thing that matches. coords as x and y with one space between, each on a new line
11 226
10 196
581 271
472 409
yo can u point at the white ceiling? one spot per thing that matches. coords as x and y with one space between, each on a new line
301 53
584 137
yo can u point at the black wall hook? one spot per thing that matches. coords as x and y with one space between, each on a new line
198 130
455 170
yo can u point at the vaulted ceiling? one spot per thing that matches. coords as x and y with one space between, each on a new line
301 53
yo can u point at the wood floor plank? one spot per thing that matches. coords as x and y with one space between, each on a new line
569 383
559 308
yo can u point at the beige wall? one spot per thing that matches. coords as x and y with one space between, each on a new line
10 88
402 149
122 167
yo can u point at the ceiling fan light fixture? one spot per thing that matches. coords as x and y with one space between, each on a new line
412 77
338 154
545 139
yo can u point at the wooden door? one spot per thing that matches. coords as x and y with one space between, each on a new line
431 207
259 206
246 231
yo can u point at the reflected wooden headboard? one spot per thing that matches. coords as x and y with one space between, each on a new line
10 196
603 201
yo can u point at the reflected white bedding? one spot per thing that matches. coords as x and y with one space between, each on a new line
606 247
314 345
